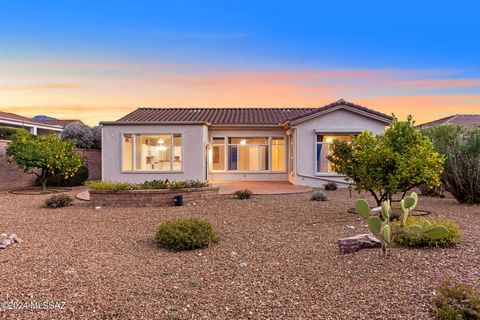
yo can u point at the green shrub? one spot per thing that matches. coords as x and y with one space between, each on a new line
243 194
112 186
154 184
457 301
59 201
78 179
331 186
7 132
186 184
319 196
409 240
186 234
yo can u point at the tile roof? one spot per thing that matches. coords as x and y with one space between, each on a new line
465 120
14 116
235 116
58 122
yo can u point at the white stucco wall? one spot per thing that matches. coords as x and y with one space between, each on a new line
305 143
194 139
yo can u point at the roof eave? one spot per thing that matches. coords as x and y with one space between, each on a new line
119 123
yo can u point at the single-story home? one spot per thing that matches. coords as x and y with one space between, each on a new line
218 144
13 120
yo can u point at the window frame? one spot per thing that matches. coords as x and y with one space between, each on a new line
134 145
331 133
227 154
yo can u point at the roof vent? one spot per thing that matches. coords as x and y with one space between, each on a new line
341 101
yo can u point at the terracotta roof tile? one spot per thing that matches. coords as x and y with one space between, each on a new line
465 120
235 116
58 122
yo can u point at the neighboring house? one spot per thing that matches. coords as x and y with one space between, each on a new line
58 122
465 120
251 144
35 127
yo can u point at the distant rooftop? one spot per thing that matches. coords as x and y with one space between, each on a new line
465 120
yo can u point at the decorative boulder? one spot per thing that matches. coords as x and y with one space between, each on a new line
358 242
7 239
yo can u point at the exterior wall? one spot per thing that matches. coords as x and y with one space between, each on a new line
247 176
193 157
147 198
305 143
10 177
93 161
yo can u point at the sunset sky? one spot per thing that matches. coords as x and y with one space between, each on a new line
98 60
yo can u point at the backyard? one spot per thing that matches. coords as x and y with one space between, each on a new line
277 258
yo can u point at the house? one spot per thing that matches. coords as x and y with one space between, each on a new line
8 119
464 120
59 122
218 144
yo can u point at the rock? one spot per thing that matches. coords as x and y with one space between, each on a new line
350 227
98 208
358 242
242 264
9 239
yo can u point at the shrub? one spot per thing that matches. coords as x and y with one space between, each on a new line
410 240
243 194
186 184
112 186
186 234
431 192
461 148
6 133
331 186
154 184
59 201
78 179
457 301
319 196
84 136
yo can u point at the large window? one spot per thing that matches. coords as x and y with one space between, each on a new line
247 154
152 152
323 150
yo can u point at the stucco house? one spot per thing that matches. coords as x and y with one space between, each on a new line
218 144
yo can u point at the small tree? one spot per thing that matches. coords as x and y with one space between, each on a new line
84 136
44 156
396 161
461 148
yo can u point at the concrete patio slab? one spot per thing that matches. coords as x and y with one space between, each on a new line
259 187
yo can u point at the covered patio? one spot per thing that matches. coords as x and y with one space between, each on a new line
259 187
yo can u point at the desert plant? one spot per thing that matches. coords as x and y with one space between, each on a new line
318 196
331 186
186 234
58 201
390 163
457 301
426 238
386 231
85 137
461 148
243 194
44 156
112 186
154 184
6 133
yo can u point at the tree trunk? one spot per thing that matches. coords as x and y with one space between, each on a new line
43 179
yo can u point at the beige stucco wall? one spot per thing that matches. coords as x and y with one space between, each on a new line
305 143
194 152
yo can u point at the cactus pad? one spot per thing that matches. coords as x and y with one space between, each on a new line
386 209
437 232
386 234
409 202
426 226
375 224
362 208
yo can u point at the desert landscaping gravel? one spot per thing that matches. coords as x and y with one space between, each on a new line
278 259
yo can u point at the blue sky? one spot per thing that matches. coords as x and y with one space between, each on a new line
416 40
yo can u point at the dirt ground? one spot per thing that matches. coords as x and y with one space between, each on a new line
278 259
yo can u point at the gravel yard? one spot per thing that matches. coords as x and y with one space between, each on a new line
278 259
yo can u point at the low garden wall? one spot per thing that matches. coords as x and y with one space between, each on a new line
150 197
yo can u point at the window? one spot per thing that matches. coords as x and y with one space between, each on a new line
217 154
278 154
152 152
323 150
247 154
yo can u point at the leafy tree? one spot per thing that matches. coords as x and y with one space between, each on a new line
461 148
386 164
44 156
85 137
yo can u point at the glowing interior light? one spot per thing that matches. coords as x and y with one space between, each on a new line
160 141
243 141
329 139
161 148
